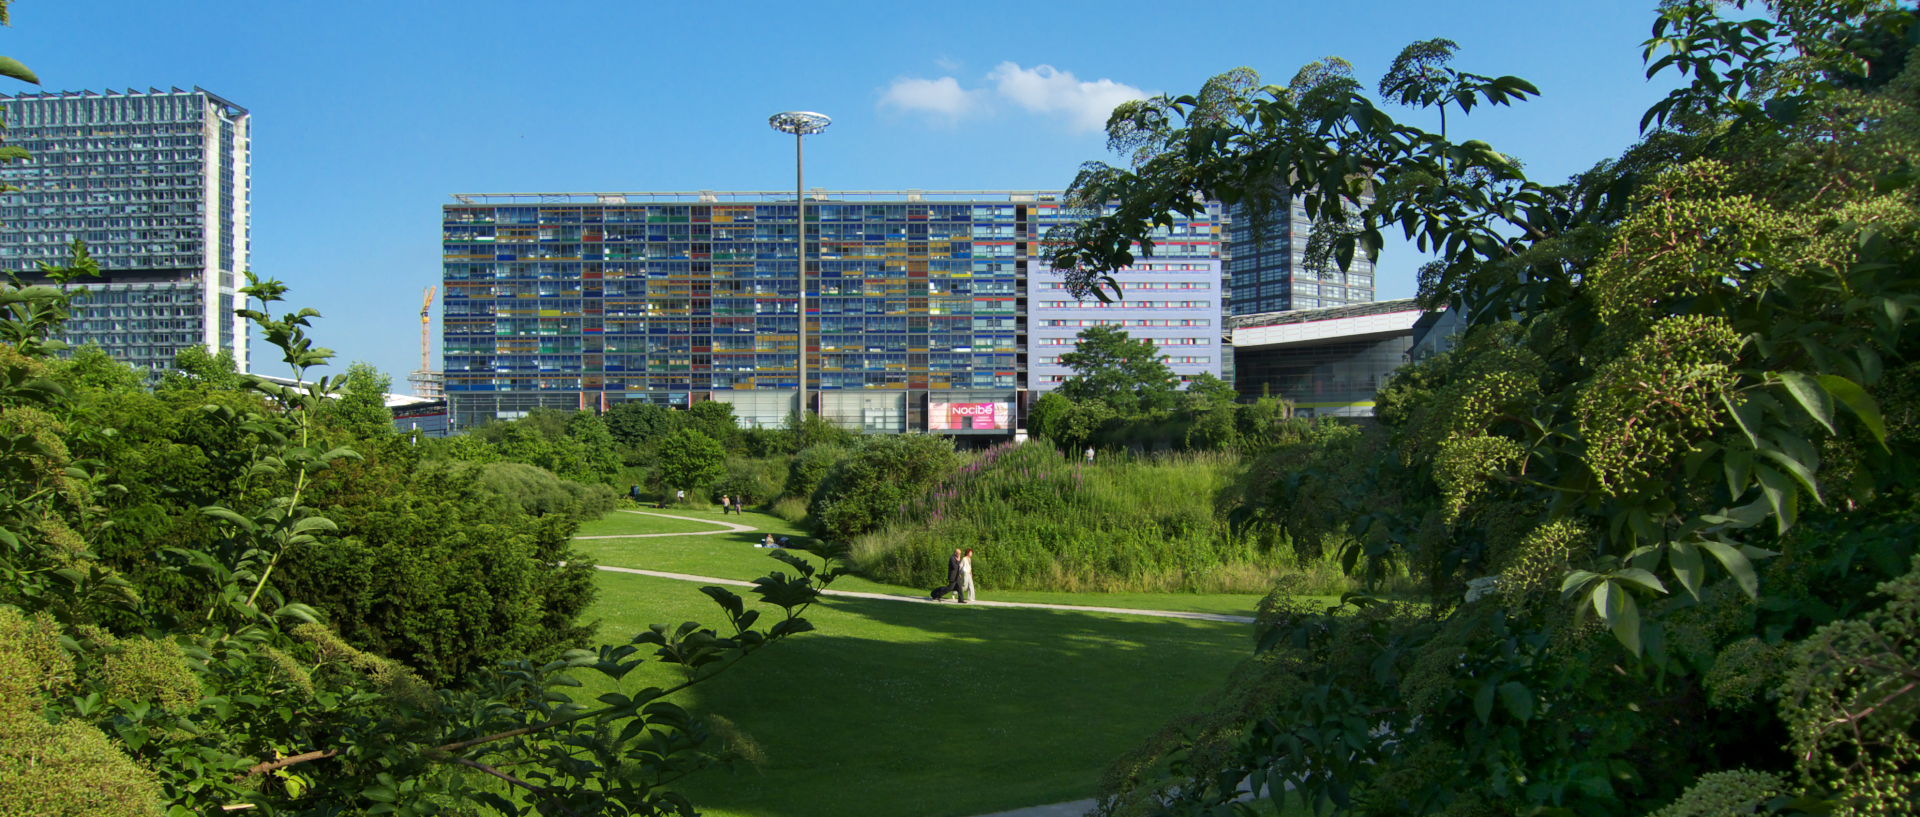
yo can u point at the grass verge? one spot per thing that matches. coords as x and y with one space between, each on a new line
733 556
897 709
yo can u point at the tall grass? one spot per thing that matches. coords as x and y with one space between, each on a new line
1040 520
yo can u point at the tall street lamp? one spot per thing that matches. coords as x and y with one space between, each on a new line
800 124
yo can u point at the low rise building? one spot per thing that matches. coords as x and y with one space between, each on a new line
1329 361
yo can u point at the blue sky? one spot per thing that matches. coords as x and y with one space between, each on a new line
367 116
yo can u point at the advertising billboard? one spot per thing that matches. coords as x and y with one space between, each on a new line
944 415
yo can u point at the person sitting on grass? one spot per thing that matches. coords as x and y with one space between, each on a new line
767 542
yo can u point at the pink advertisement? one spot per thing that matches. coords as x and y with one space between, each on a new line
970 416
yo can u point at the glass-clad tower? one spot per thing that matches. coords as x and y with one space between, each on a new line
1268 268
918 310
157 184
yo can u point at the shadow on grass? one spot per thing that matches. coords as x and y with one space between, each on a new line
906 709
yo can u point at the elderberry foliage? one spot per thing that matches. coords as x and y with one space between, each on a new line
1651 493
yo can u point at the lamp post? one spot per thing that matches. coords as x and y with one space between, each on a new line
800 124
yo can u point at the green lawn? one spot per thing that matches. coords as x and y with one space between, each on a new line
732 556
908 709
620 522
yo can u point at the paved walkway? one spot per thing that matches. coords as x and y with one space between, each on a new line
855 594
730 527
1076 808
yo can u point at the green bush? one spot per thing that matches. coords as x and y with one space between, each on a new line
453 567
793 509
876 479
534 490
753 480
690 460
809 468
1041 520
57 770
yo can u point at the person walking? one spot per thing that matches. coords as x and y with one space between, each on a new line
953 578
1089 455
966 577
680 497
726 504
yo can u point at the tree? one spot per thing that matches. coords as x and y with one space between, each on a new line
1110 367
1070 424
691 460
112 703
634 423
868 485
714 419
1206 390
195 366
1664 460
361 410
599 461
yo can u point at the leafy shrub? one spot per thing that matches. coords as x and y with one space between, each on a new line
791 508
447 579
809 468
755 480
875 479
535 490
1041 520
64 770
690 460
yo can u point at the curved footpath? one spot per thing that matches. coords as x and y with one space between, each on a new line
1074 808
730 527
854 594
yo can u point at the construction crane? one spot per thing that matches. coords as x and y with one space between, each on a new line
426 319
427 382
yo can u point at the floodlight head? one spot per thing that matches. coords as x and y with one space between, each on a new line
804 123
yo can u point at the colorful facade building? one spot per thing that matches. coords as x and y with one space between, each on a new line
157 184
923 307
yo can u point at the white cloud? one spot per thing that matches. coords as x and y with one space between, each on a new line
940 97
1044 89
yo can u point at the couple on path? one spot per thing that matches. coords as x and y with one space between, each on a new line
959 577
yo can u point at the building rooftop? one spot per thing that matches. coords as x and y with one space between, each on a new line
1330 313
771 196
232 108
1333 324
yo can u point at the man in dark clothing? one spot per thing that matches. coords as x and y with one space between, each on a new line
953 577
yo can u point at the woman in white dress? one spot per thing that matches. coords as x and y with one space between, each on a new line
966 577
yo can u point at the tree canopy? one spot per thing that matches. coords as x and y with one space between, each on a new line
1648 492
1127 374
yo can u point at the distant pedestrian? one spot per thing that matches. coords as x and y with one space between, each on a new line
634 494
1089 455
953 577
726 504
966 577
680 497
